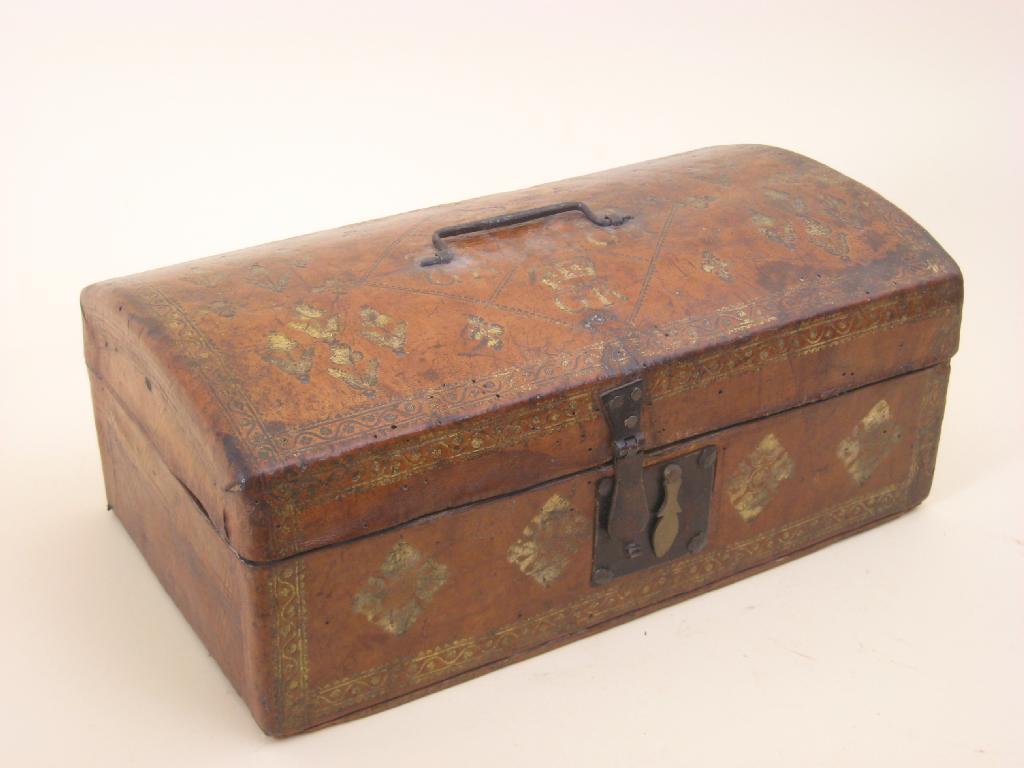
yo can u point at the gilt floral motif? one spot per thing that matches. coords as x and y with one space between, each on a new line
400 591
485 335
753 485
869 442
548 541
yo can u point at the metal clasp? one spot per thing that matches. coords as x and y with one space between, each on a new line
628 515
647 514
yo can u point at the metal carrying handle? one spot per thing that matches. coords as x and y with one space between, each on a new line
442 254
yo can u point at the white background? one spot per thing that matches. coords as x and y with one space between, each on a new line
139 134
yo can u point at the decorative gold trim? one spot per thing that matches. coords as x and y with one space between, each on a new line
371 468
485 334
804 338
294 488
254 439
548 541
304 707
716 265
756 479
401 589
600 605
807 337
290 642
871 440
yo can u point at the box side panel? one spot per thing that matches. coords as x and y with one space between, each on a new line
926 450
391 616
165 403
224 599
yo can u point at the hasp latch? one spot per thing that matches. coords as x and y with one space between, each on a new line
647 514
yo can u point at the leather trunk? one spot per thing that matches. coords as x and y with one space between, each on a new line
374 461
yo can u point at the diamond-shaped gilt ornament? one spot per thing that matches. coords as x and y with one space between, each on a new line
870 442
400 591
549 541
758 476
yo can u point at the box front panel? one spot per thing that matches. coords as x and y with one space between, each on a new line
367 624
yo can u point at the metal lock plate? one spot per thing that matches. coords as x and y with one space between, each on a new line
647 515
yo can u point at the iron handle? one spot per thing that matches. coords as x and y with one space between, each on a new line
443 255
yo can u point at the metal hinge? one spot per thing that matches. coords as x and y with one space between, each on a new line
647 514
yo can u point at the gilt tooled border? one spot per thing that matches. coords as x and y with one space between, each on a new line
374 468
303 707
290 642
723 323
256 440
206 360
371 467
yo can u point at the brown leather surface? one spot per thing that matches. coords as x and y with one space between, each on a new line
223 599
321 388
492 602
355 627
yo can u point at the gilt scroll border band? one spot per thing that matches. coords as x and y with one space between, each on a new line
290 642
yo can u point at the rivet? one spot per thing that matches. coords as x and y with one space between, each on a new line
636 394
672 471
631 421
617 402
602 575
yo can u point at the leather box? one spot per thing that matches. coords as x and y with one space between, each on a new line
372 462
